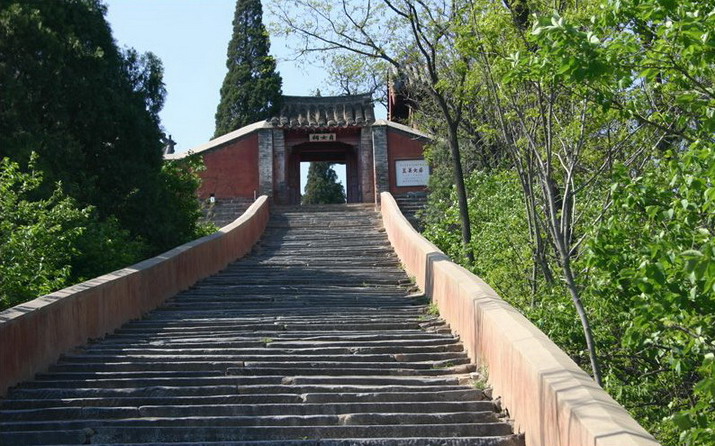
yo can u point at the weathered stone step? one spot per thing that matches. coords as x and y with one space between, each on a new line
322 238
426 368
349 353
296 225
504 440
485 408
228 320
299 340
156 399
248 271
314 391
360 419
299 279
346 293
417 360
445 352
209 433
359 306
292 378
278 326
346 244
336 251
233 320
320 262
280 303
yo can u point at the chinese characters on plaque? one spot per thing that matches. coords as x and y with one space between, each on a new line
321 137
412 172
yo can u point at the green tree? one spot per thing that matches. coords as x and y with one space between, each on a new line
322 186
251 90
413 37
90 110
49 243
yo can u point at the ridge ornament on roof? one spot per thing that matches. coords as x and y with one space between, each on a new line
313 112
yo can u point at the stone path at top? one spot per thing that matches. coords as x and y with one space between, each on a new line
312 339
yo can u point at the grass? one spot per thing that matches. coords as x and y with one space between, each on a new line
433 309
480 380
444 365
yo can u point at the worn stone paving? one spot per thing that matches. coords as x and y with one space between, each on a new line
312 339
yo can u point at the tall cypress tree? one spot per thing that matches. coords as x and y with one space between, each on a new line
322 185
251 90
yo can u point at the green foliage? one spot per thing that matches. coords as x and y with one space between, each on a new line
70 95
102 194
46 244
322 186
653 269
502 250
91 113
626 83
251 90
169 211
651 60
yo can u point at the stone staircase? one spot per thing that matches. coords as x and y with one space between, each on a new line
225 210
311 340
410 204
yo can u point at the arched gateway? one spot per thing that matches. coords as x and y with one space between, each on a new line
264 158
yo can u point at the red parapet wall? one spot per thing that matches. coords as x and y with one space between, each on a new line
552 400
34 334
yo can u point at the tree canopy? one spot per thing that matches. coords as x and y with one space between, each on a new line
80 116
251 90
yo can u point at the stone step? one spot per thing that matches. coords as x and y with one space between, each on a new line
415 360
119 381
304 339
143 434
505 440
262 349
156 398
484 408
325 420
219 387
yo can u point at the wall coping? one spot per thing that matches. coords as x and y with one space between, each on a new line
264 125
221 140
35 333
402 128
551 399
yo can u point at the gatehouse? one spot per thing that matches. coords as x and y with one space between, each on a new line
264 158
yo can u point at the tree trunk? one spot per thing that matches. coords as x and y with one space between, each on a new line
461 192
576 298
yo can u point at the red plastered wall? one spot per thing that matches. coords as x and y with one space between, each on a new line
401 146
231 170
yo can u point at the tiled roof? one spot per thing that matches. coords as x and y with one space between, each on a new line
325 111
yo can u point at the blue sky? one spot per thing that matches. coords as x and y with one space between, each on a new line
191 38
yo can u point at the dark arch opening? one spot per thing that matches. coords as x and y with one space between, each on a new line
333 152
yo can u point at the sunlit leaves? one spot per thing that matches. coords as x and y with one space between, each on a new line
655 258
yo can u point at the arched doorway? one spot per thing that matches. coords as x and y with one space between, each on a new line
334 152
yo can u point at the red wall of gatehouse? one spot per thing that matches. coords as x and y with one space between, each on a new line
231 170
401 146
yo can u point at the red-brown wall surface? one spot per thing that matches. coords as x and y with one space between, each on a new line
231 170
401 146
